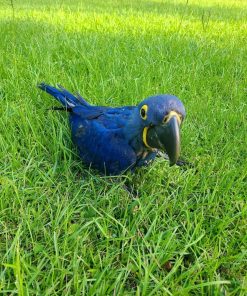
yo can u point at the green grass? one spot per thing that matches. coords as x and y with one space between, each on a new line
66 230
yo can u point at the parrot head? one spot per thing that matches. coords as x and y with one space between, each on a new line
161 117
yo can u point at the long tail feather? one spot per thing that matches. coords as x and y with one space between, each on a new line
63 96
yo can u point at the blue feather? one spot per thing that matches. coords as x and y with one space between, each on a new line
62 95
111 139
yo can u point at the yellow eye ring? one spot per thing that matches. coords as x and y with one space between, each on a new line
143 112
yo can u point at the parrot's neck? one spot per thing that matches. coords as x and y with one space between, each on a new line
133 132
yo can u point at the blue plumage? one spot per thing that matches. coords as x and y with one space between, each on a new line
113 140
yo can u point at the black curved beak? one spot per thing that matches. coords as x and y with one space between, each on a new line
166 137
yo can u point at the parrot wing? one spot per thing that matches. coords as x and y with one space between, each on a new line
103 148
110 118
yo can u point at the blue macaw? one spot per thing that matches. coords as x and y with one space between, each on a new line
114 140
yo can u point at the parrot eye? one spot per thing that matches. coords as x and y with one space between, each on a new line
143 111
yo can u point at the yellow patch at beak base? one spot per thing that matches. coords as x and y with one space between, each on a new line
144 137
170 115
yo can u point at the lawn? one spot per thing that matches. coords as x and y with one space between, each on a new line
67 230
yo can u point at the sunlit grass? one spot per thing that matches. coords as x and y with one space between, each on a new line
65 229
